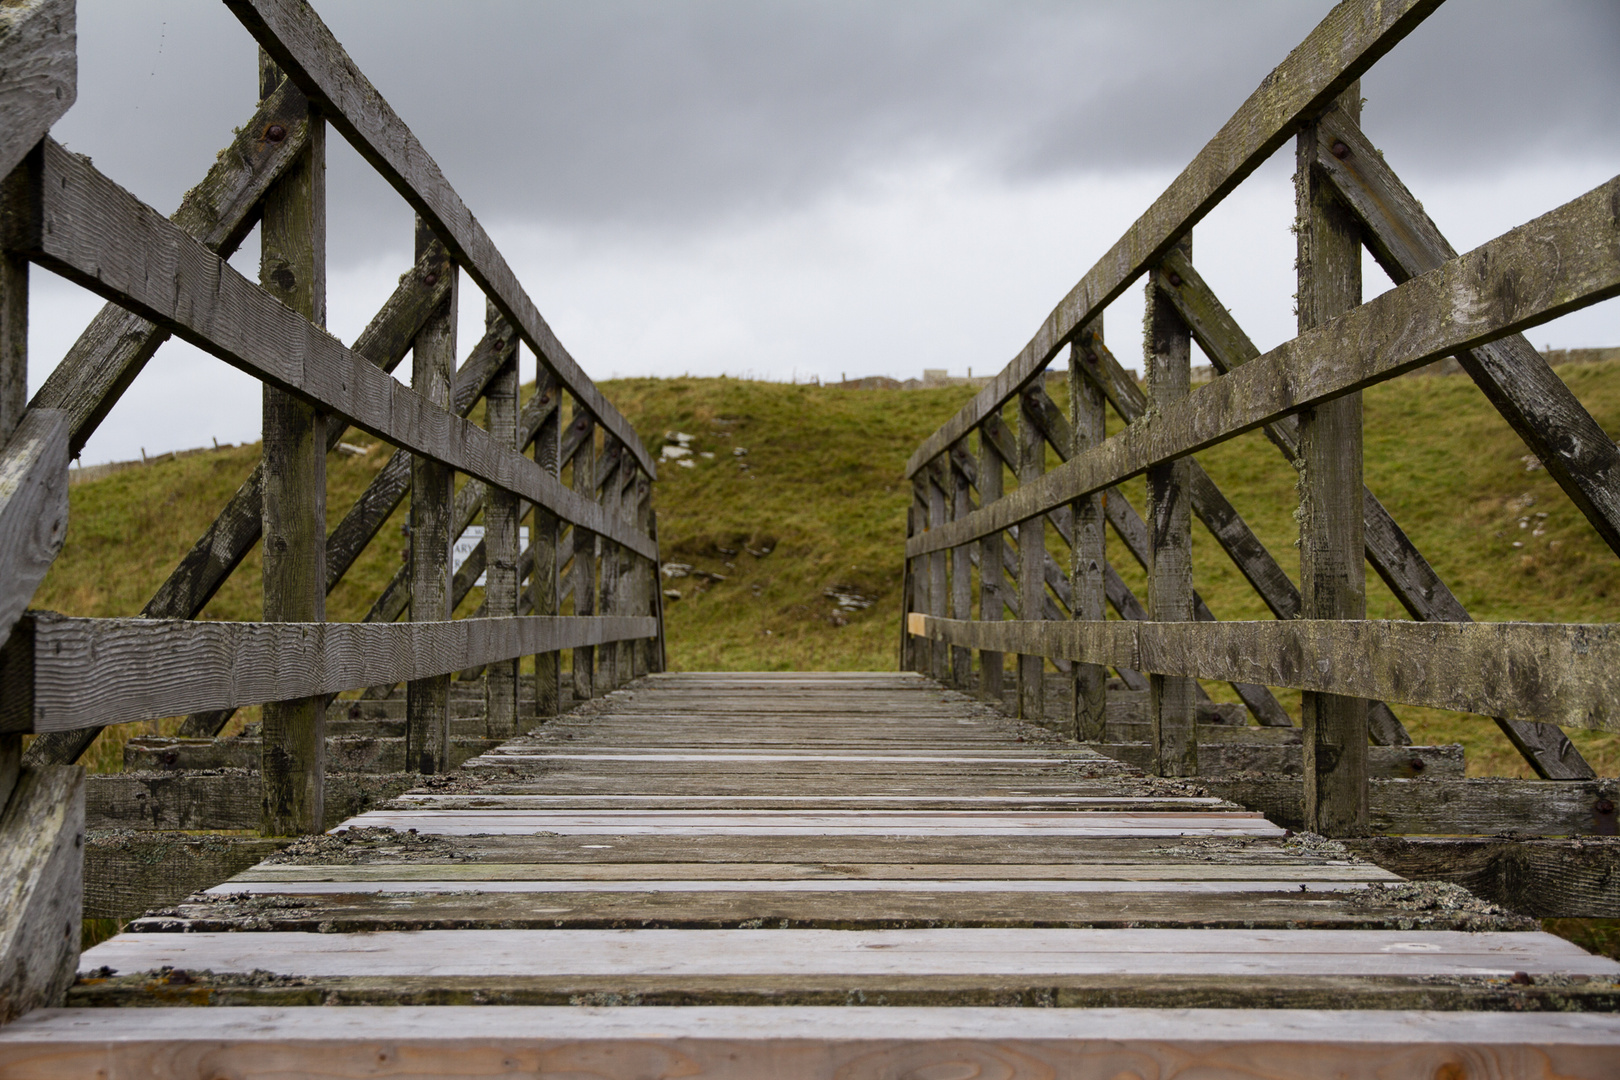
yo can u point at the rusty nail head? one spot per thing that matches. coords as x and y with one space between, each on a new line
1418 764
431 279
1522 978
1604 806
275 133
1340 150
1091 357
1175 280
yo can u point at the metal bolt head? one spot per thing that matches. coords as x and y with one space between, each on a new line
432 278
275 133
1604 806
1175 280
1340 150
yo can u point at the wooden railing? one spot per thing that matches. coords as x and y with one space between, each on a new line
587 484
1305 395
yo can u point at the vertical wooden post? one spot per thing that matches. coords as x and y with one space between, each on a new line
658 658
961 570
13 403
607 661
1331 560
991 579
938 598
1088 555
501 544
1031 564
292 268
646 577
433 366
584 549
1172 699
921 650
543 585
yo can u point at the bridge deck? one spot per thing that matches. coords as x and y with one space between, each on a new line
816 840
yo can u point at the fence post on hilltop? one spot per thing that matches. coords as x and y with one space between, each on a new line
961 568
1172 699
584 547
433 366
543 530
992 581
1088 555
1031 564
501 548
292 268
1331 532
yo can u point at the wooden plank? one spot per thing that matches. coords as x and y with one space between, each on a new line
501 512
1558 671
1466 302
220 211
1032 559
156 270
583 663
992 582
1546 879
938 587
1449 807
809 1042
1574 449
1352 38
610 465
150 668
218 799
1332 570
41 864
1167 349
1265 759
544 577
961 569
33 508
1088 555
127 873
39 72
292 269
300 42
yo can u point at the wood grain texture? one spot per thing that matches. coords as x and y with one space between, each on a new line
1545 879
41 868
583 427
103 238
992 582
501 511
543 577
1032 559
126 874
300 42
961 569
1559 672
1560 262
39 72
1352 38
149 668
1088 555
33 508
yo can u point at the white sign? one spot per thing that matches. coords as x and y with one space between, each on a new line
472 538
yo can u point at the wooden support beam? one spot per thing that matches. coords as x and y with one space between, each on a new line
1032 555
105 239
33 489
39 73
938 590
301 43
1352 38
1332 570
79 672
1545 879
992 583
433 364
543 533
961 568
1501 287
1566 671
608 473
1168 353
1088 554
501 580
42 866
583 427
292 269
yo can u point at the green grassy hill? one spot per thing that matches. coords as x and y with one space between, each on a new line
816 506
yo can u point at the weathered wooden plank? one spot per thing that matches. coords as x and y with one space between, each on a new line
218 798
1088 555
128 873
1258 759
149 668
1574 449
1501 287
961 568
1449 807
105 239
41 866
583 663
1560 671
33 508
1332 568
39 72
938 587
220 211
544 575
1345 44
292 269
1397 561
1546 879
501 511
992 583
300 42
1032 559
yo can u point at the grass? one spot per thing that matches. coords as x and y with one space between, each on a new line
823 492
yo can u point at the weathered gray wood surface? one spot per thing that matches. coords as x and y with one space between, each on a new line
219 798
295 36
39 72
127 873
41 885
1344 45
1545 879
103 238
1556 671
149 668
33 508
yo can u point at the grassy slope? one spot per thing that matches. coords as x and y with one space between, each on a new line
824 491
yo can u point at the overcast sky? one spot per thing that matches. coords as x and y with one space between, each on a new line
788 190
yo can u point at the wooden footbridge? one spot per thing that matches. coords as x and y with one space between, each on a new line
513 844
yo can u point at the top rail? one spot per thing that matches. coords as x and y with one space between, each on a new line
297 39
1353 37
